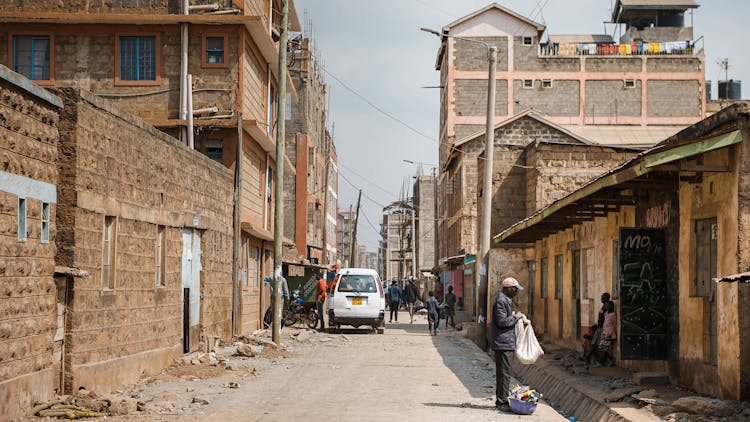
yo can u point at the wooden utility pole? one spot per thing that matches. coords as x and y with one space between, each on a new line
278 215
354 232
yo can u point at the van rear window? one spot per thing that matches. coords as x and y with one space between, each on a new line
357 283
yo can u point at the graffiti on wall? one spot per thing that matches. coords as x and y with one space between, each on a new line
658 215
644 330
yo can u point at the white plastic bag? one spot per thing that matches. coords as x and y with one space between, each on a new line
528 349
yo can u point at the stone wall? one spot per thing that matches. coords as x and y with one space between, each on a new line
613 64
526 58
743 260
113 164
84 6
28 306
469 55
673 64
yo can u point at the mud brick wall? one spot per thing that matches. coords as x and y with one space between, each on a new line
28 148
113 164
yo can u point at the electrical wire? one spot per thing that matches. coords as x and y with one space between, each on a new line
358 188
366 179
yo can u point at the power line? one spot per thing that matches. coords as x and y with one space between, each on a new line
366 179
358 188
371 104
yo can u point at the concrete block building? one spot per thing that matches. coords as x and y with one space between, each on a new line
587 89
657 232
207 77
30 330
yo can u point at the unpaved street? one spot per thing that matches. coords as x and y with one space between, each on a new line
403 374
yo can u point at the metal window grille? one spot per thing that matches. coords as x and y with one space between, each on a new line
215 50
31 55
138 58
108 252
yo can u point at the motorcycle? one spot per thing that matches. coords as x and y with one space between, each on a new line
300 311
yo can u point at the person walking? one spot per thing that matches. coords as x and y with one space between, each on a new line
432 313
504 339
320 298
412 294
450 307
395 293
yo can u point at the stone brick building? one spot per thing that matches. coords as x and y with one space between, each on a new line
29 352
582 87
308 141
656 232
139 54
344 226
154 232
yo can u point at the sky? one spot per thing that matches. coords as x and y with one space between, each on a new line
377 64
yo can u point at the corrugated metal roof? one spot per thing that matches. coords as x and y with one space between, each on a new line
657 3
624 135
581 38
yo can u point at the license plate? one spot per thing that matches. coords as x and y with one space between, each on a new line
356 301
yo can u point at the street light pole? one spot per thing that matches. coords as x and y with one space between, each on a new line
482 298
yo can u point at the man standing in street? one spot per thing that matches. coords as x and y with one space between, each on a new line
504 339
320 298
395 294
412 294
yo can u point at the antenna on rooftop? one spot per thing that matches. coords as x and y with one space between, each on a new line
724 65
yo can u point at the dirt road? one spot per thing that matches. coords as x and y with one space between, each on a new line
403 374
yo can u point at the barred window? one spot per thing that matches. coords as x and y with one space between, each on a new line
137 58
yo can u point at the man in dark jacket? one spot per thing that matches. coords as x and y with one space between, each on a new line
504 339
412 294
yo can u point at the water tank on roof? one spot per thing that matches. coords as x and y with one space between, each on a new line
671 18
730 90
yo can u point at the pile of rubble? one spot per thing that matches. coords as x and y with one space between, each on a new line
87 404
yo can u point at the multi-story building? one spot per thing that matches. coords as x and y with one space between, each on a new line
344 227
310 148
206 74
424 194
396 245
587 89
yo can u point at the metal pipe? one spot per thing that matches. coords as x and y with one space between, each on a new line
190 138
224 12
206 110
213 6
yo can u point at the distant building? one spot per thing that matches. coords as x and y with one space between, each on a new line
344 227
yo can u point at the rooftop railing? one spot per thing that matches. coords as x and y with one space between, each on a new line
672 48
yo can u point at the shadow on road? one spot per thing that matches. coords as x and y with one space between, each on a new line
470 365
461 405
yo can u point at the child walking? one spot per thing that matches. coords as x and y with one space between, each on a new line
432 313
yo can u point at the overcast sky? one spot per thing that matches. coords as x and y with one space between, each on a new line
375 47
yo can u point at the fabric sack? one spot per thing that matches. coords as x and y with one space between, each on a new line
528 349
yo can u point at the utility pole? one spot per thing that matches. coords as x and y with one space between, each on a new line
236 221
482 261
414 239
324 260
354 232
278 214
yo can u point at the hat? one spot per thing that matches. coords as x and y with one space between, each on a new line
512 282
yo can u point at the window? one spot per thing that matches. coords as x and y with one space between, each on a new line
256 270
558 277
44 236
271 108
32 56
22 229
528 83
161 234
546 83
629 83
528 40
108 252
357 283
137 60
214 50
215 149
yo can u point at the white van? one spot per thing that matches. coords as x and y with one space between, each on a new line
357 298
